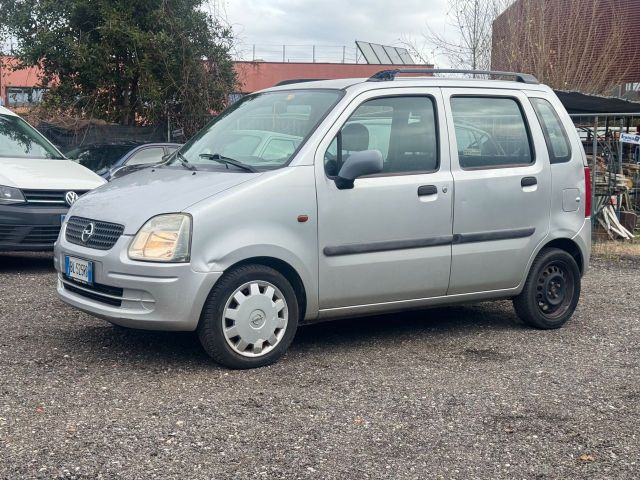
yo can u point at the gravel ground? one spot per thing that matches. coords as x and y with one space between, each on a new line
455 393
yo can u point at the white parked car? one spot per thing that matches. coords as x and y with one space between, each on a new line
37 186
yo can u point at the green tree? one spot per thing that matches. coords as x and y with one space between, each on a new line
126 61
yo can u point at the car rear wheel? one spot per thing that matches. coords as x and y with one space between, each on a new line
551 292
250 317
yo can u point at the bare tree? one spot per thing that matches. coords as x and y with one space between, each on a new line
469 46
567 44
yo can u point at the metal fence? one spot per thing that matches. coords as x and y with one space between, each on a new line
615 171
68 138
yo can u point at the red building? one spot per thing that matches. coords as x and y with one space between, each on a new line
21 88
587 45
18 87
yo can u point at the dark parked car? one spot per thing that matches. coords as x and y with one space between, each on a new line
116 159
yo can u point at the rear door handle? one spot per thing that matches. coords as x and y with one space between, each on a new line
425 190
529 181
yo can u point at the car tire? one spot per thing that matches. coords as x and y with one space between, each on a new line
250 317
551 291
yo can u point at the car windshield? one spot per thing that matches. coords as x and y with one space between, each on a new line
263 130
18 139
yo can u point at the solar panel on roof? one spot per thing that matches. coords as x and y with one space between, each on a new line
393 55
368 53
376 54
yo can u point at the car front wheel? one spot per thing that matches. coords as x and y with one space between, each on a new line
250 317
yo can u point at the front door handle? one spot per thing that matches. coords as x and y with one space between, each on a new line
529 181
425 190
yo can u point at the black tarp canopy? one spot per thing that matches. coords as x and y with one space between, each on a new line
580 103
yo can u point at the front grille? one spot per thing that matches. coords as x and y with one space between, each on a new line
42 234
8 233
52 198
105 235
29 234
98 292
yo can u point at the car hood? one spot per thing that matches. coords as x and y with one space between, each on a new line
44 174
135 198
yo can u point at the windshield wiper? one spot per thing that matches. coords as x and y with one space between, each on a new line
185 163
216 157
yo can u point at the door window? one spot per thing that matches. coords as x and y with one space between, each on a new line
491 132
147 156
403 129
554 133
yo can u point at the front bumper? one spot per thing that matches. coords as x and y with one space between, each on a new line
29 228
145 295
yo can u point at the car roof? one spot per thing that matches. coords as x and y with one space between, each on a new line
131 145
363 84
6 111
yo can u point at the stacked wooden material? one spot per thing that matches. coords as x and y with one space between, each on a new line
617 182
612 226
609 182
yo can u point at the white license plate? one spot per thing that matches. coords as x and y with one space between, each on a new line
78 269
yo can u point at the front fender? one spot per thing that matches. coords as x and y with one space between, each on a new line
261 220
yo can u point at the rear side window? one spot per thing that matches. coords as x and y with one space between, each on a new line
491 132
554 133
403 129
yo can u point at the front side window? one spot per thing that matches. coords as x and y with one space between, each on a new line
554 133
18 139
98 158
245 131
403 129
490 132
147 156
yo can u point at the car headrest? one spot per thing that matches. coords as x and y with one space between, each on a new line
355 137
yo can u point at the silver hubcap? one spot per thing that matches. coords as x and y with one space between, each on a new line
255 318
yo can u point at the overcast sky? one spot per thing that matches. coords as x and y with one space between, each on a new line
329 24
272 23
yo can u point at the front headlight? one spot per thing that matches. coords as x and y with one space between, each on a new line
165 238
10 195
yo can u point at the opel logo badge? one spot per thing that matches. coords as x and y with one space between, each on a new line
71 198
87 233
257 319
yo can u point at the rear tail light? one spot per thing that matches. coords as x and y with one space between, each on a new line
587 192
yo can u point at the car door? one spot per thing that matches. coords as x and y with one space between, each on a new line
389 238
502 181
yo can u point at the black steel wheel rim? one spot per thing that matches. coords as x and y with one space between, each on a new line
554 289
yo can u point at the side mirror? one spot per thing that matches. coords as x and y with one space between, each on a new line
357 165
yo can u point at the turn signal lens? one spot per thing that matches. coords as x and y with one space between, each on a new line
165 238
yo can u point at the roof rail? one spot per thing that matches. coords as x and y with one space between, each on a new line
292 81
388 75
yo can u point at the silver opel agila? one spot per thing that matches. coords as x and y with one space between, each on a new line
318 200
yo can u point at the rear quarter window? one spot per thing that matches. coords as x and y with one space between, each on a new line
555 135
